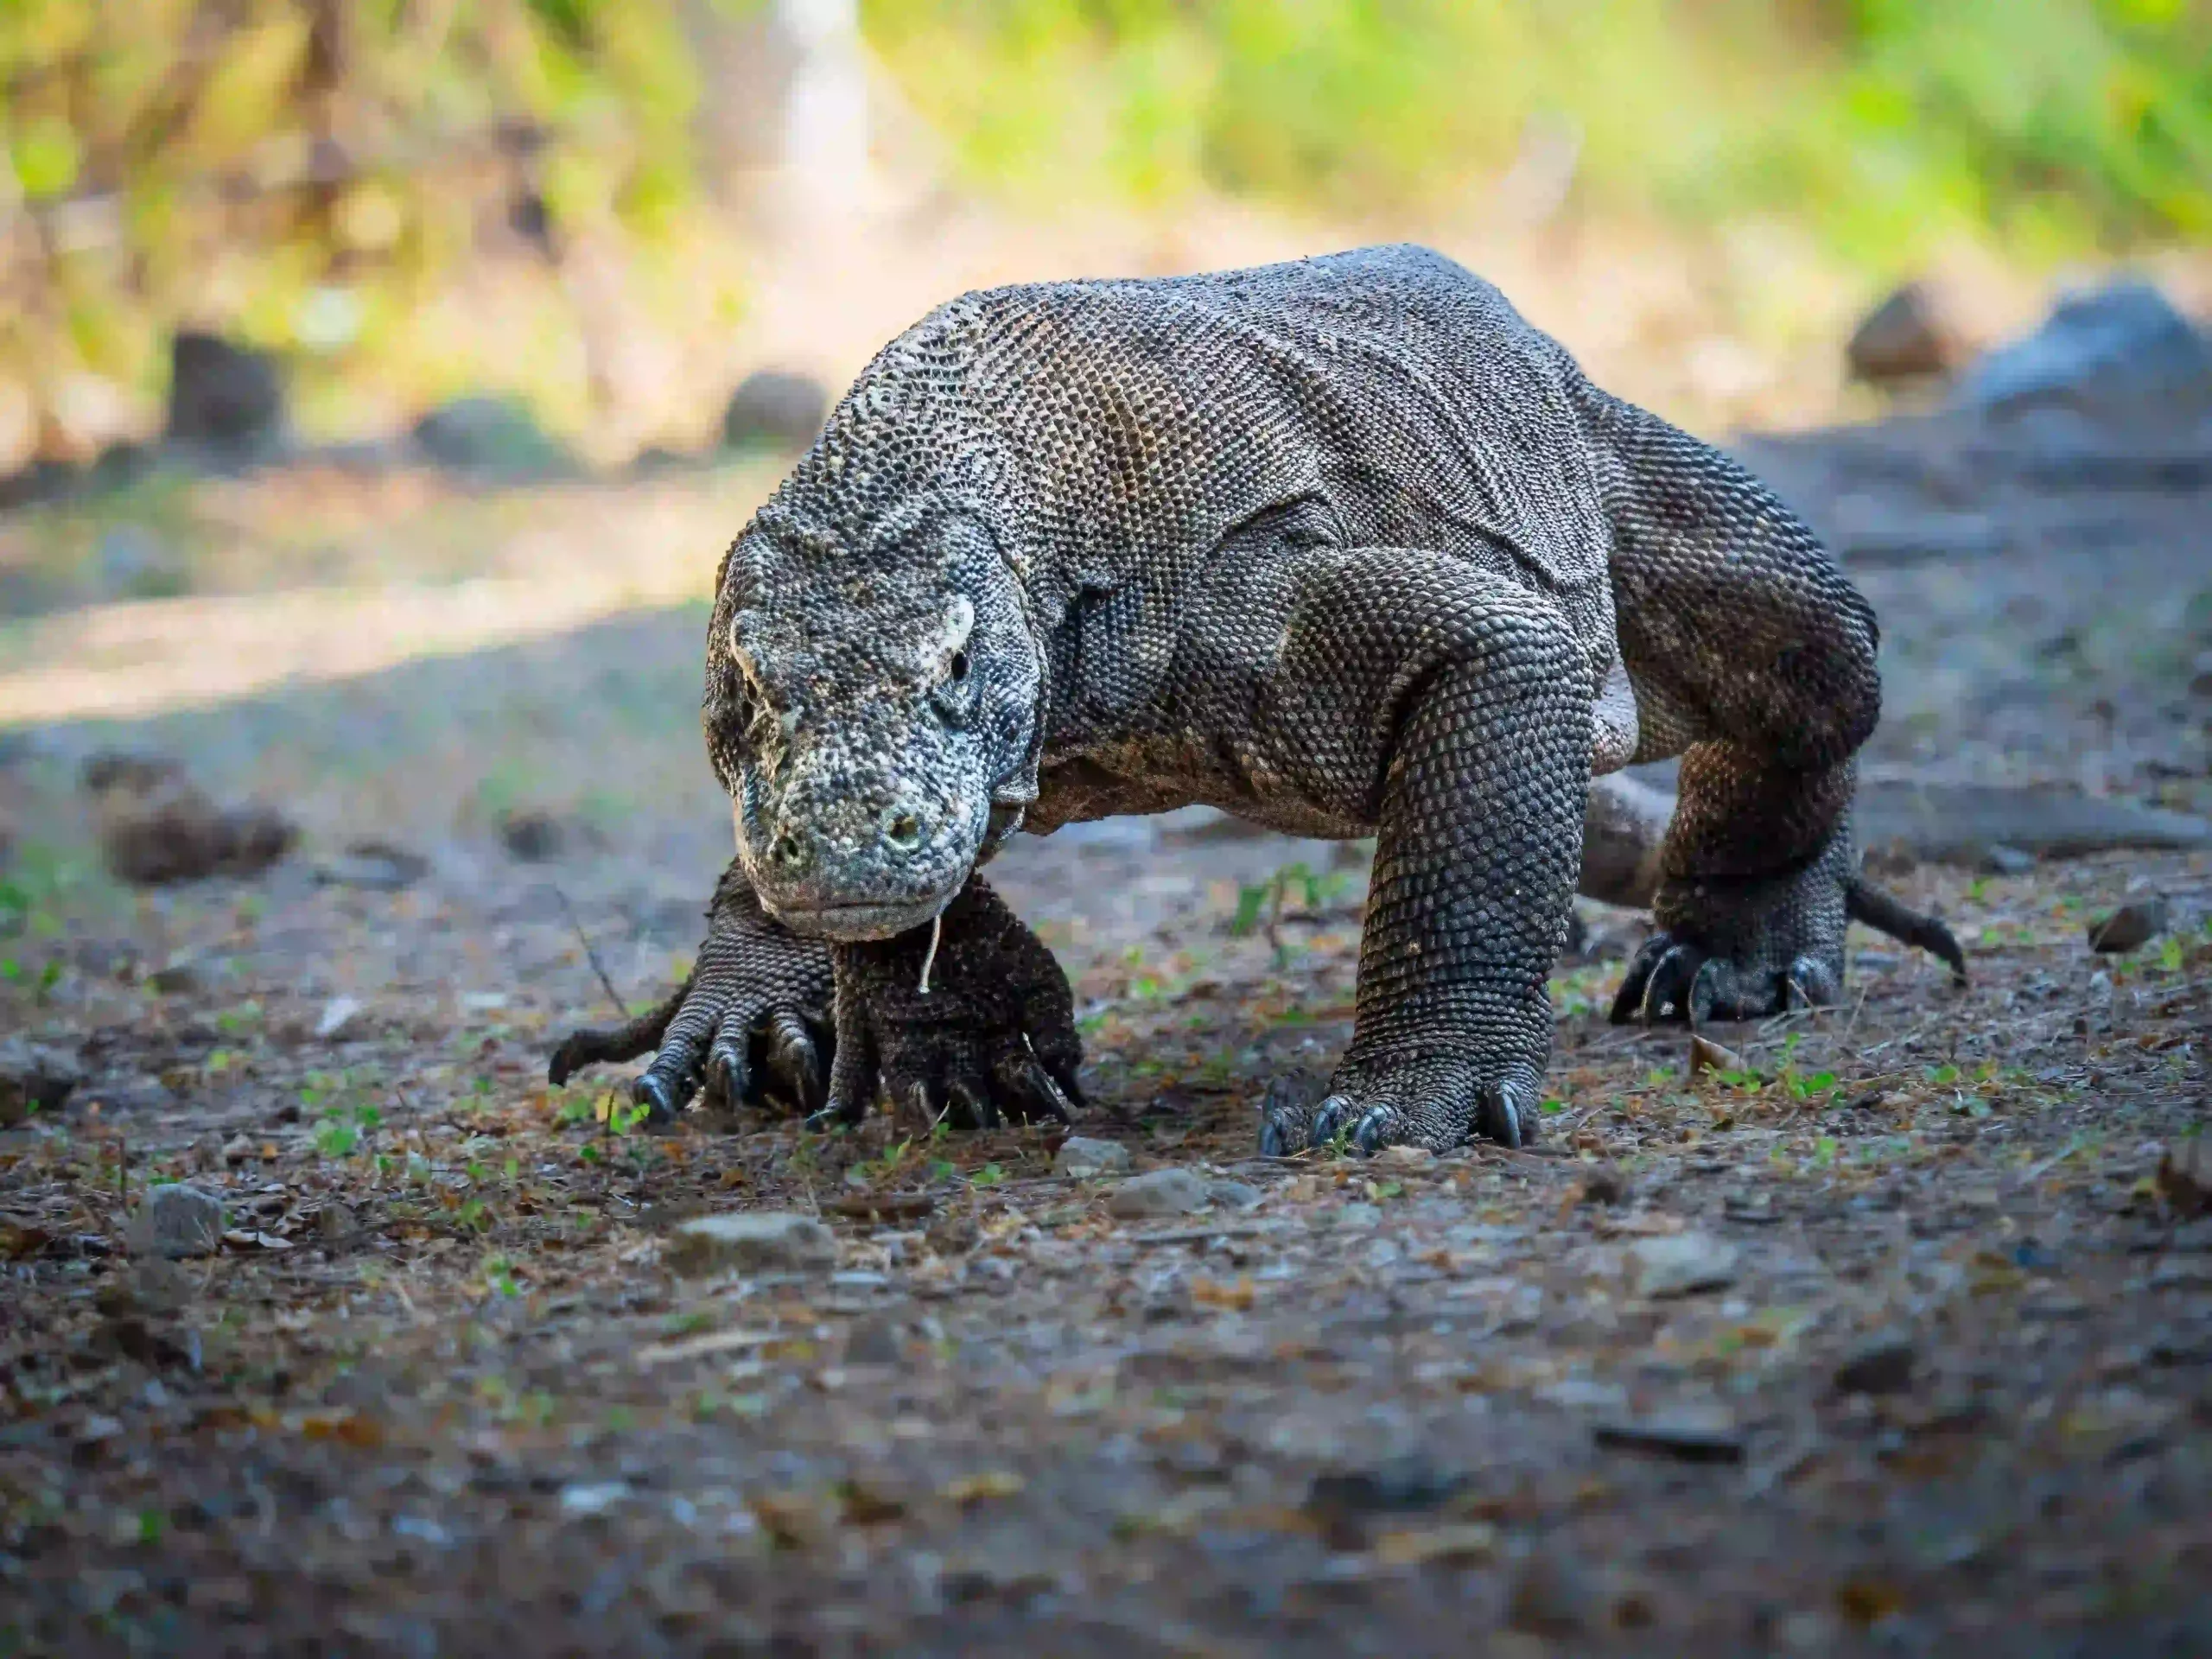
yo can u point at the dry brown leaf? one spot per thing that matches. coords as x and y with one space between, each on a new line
990 1484
1463 1541
1707 1055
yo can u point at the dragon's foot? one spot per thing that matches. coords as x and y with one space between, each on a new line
973 1028
751 1025
1739 950
1439 1101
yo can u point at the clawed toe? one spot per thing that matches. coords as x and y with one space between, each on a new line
660 1095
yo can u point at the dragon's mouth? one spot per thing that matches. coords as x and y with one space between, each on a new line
860 921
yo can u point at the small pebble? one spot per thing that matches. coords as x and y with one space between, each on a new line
177 1220
2129 928
1082 1157
752 1240
340 1018
1550 1597
1688 1436
1234 1195
1883 1365
1171 1191
1682 1264
33 1079
174 978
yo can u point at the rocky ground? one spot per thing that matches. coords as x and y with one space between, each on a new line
1891 1328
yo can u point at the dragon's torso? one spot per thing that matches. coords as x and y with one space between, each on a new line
1124 438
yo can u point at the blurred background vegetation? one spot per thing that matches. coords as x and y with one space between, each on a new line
362 185
2056 125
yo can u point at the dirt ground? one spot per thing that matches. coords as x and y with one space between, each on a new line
1885 1337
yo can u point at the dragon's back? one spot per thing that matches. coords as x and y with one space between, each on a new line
1119 429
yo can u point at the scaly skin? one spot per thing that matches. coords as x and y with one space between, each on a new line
1343 546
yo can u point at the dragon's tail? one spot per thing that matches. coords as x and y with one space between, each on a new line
1865 902
612 1046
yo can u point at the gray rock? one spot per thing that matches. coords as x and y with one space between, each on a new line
880 1341
373 865
2118 350
33 1079
755 1240
2131 927
532 835
178 978
1904 339
1999 859
1682 1264
340 1019
1171 1192
1553 1597
491 437
225 399
1881 1365
775 410
1082 1157
177 1221
1233 1195
1690 1435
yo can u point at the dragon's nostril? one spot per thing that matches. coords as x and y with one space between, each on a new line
903 829
787 851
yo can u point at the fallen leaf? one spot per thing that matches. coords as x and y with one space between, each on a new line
241 1239
991 1482
1235 1295
1863 1601
865 1507
1466 1541
1707 1055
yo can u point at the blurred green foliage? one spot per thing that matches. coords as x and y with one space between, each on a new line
312 174
300 169
2053 124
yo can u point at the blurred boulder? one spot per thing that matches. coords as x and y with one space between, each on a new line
33 1079
1908 337
225 400
532 835
775 410
2114 352
491 437
156 826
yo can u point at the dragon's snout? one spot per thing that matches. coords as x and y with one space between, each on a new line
846 860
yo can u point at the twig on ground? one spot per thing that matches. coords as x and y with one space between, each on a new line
622 1009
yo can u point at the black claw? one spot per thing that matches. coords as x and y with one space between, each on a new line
727 1078
793 1057
1500 1114
661 1098
1328 1120
1276 1138
1703 998
974 1102
1035 1085
1371 1135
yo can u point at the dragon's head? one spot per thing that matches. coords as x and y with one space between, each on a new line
871 707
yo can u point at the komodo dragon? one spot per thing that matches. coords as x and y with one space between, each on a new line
1344 547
